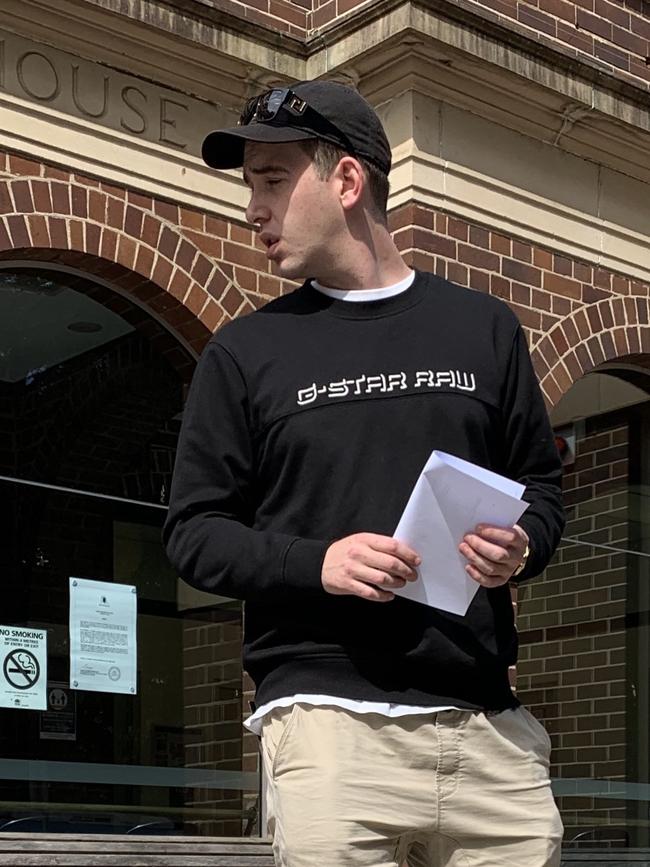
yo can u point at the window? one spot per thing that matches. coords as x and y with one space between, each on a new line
91 395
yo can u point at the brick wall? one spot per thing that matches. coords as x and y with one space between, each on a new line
212 677
572 661
615 34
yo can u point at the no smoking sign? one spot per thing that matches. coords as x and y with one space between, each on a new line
23 652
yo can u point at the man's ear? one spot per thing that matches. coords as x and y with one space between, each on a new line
352 181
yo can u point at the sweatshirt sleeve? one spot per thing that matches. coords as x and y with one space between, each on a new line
208 533
532 458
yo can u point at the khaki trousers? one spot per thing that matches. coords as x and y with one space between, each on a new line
449 789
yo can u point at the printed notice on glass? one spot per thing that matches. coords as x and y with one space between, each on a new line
103 650
23 676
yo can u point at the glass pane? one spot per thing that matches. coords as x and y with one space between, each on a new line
585 629
89 418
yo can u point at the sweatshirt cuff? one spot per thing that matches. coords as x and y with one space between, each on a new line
303 563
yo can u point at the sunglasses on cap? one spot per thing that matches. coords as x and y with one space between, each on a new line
288 109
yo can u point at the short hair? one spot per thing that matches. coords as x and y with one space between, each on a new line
326 157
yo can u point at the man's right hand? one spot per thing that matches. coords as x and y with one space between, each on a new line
369 566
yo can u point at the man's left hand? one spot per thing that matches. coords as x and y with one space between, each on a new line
493 553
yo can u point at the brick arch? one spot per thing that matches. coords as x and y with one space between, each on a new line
123 237
613 328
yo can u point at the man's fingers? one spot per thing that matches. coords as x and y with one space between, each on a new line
371 593
496 554
503 536
379 578
390 564
388 545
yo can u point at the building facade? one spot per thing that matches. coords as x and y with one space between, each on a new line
521 151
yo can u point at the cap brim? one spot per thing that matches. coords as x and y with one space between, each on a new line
224 149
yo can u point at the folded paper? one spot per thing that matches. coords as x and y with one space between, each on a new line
450 497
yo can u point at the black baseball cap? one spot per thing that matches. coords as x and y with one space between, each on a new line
323 110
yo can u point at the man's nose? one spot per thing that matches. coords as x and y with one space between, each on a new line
256 212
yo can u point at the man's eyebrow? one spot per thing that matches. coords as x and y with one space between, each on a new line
267 168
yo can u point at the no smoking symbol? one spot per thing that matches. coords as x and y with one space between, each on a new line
21 669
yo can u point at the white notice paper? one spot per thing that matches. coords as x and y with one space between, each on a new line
103 649
449 499
23 677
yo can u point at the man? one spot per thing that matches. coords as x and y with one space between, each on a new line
388 727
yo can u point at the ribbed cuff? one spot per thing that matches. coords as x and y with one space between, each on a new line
303 564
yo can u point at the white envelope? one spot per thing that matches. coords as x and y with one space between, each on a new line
449 499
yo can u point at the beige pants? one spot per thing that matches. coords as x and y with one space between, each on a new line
452 789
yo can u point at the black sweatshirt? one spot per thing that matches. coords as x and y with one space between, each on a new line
311 419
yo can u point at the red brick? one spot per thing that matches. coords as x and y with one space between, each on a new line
140 200
192 219
558 8
457 229
479 280
38 230
166 211
18 230
57 174
537 20
478 258
126 251
288 13
76 233
457 273
162 272
168 242
575 38
212 316
6 204
523 252
346 5
21 166
231 301
323 15
238 255
562 285
521 272
109 244
479 237
97 206
432 243
86 181
133 222
202 269
58 233
602 278
115 210
593 24
630 42
246 279
521 294
79 197
499 286
110 190
93 238
612 12
150 230
217 284
179 284
22 197
185 255
5 241
144 260
612 55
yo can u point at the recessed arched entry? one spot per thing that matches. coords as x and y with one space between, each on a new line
92 382
585 625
